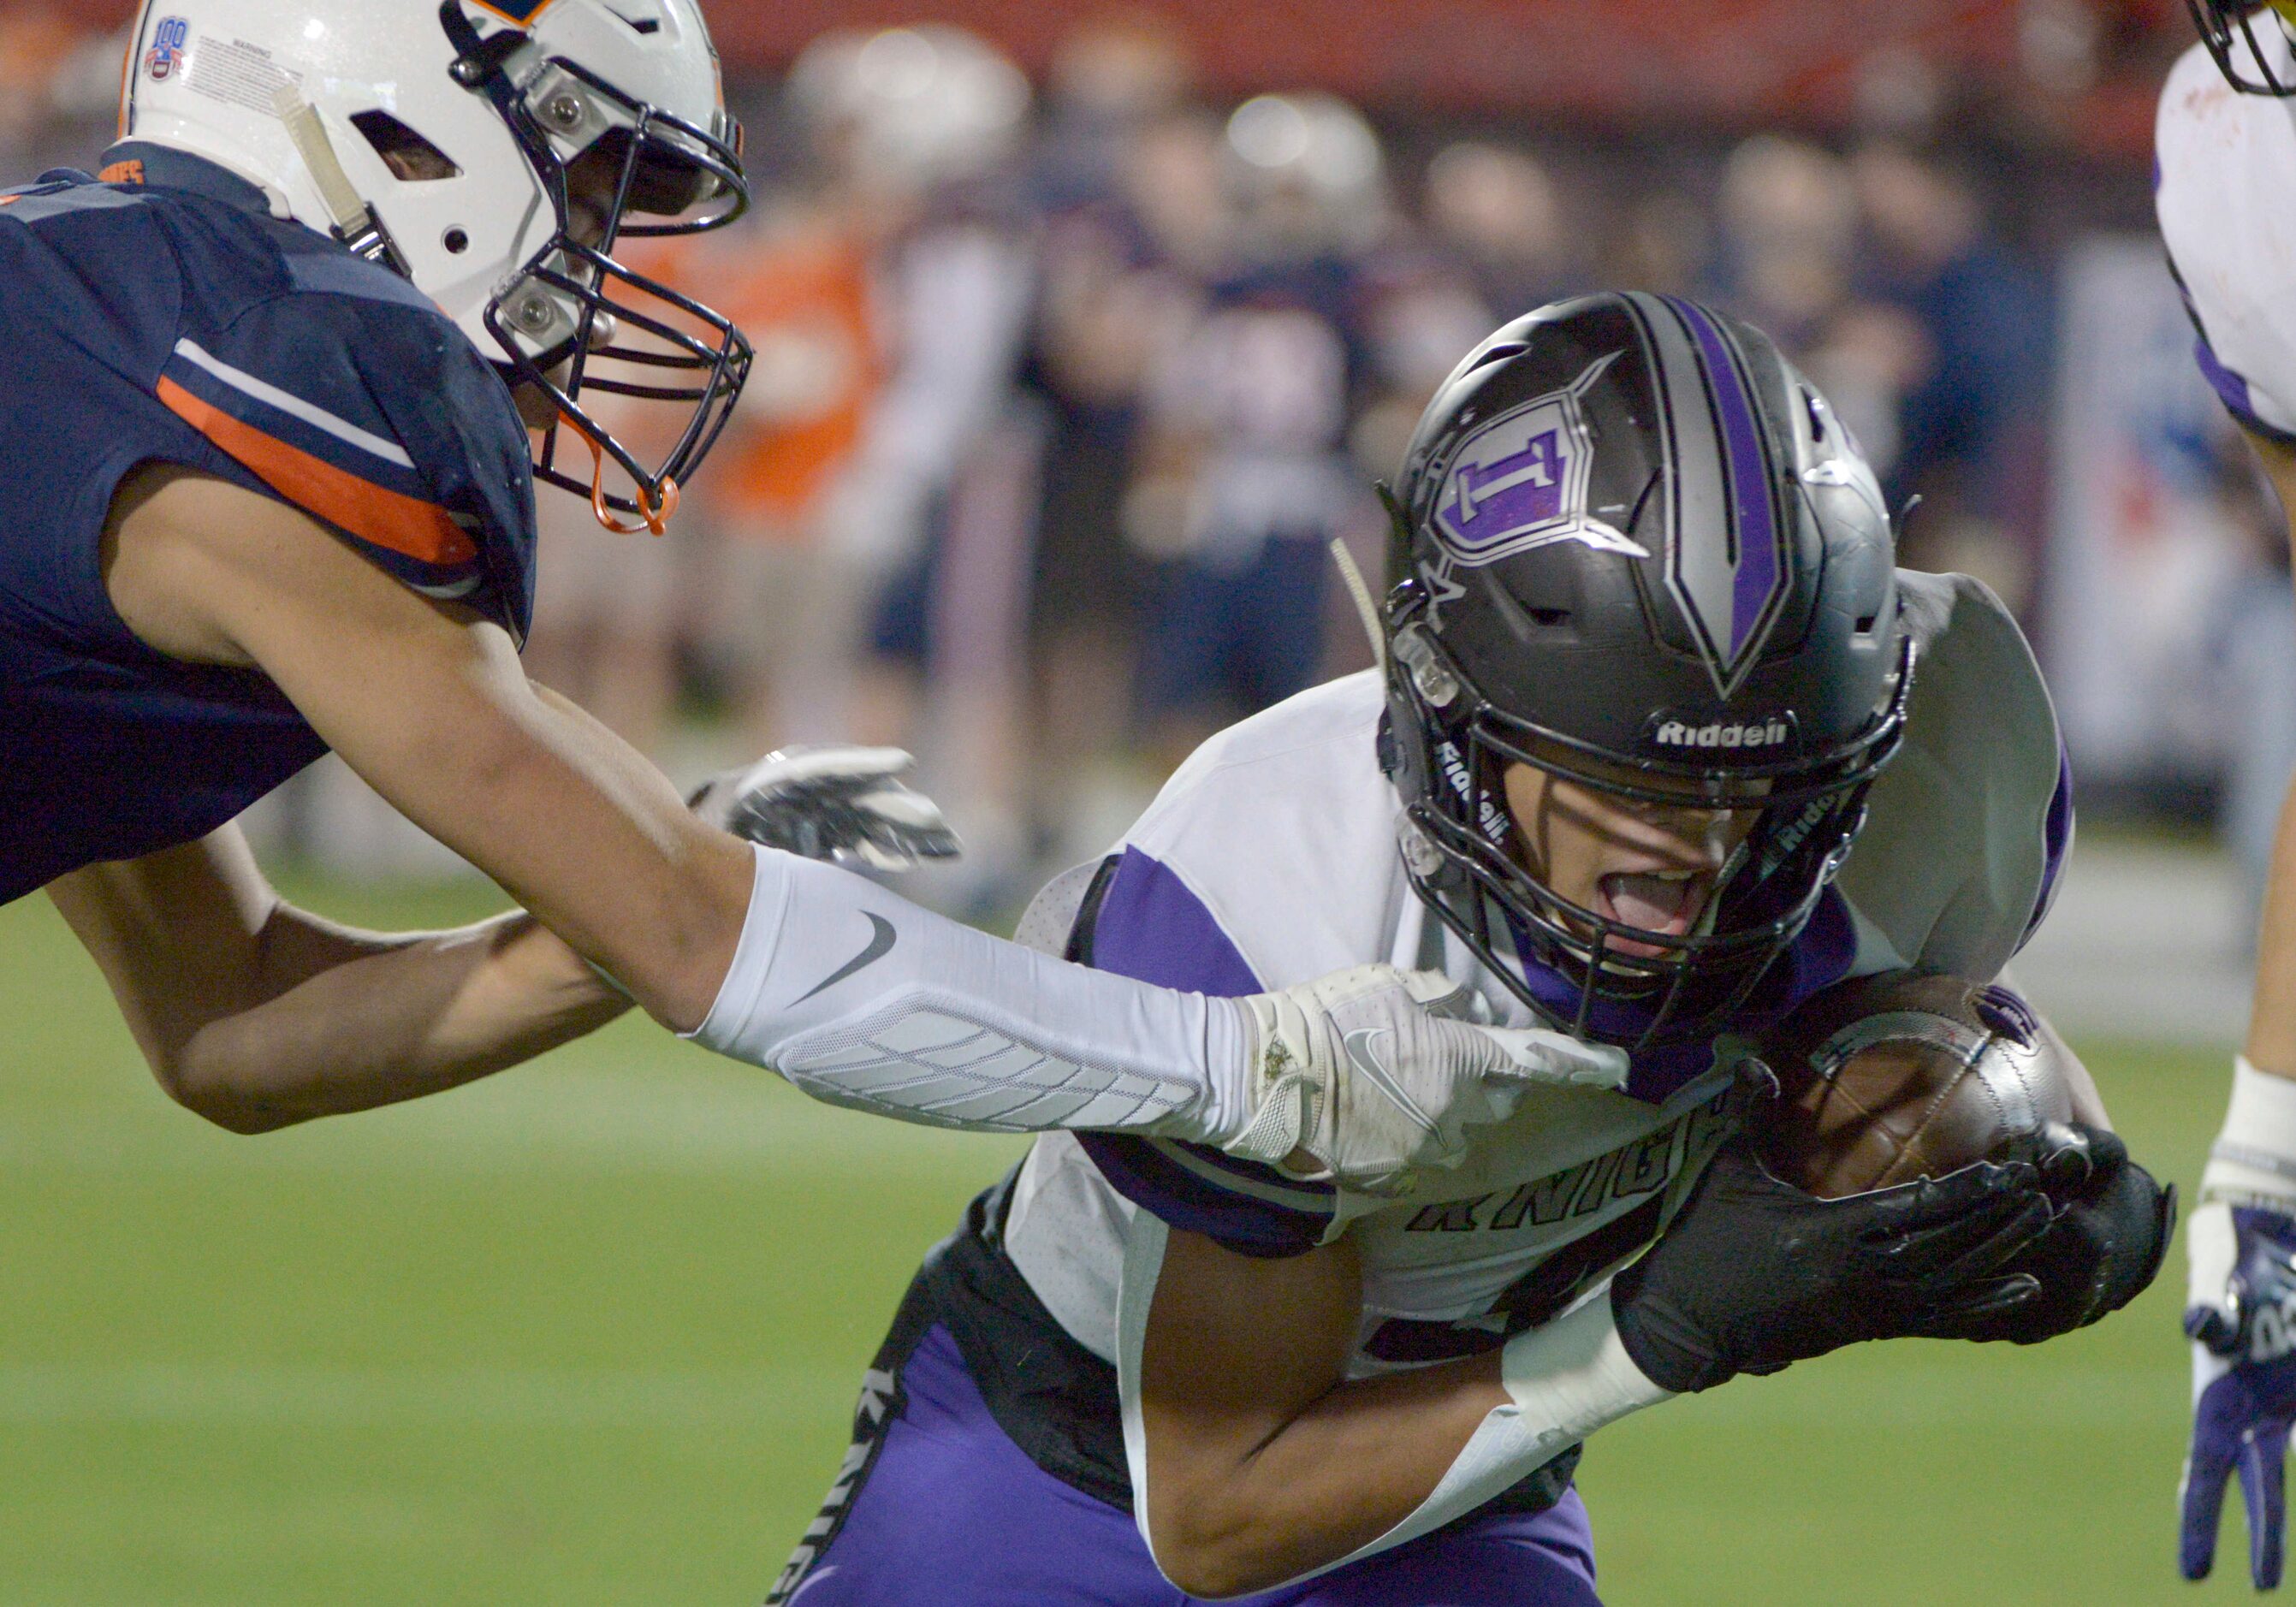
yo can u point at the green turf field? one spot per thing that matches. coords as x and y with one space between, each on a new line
590 1334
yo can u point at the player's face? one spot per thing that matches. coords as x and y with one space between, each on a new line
590 185
1644 864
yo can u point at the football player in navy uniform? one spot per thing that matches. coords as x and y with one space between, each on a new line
1649 671
268 487
2225 157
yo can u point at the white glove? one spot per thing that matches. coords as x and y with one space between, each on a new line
1363 1071
831 803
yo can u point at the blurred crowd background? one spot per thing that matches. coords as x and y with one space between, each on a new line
1081 332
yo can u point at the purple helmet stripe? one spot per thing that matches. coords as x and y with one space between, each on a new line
1760 573
1724 566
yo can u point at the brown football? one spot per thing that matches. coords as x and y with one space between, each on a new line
1886 1080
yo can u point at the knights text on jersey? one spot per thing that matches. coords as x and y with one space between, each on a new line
161 314
2223 166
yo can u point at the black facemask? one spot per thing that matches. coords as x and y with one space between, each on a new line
1463 858
2241 41
573 320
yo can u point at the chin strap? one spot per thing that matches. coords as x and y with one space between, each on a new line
654 517
1366 610
355 222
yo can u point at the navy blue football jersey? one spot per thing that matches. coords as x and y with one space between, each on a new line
161 314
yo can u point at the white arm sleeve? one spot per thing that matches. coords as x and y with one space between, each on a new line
1567 1378
860 998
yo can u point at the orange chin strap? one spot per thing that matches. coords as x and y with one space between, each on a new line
653 518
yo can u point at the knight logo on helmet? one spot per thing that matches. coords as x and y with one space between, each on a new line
1620 504
1519 481
496 154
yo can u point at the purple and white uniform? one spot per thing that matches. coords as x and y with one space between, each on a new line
2225 166
990 1461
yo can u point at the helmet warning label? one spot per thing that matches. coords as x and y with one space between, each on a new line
239 74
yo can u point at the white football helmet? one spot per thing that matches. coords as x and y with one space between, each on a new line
438 138
912 107
1307 168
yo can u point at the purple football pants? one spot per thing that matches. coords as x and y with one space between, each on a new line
951 1511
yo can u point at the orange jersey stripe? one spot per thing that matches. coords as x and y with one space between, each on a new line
372 512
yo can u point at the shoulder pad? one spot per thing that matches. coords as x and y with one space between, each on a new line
1967 829
362 405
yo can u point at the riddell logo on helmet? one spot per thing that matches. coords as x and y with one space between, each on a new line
1772 733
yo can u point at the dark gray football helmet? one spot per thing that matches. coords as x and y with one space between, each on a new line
1633 543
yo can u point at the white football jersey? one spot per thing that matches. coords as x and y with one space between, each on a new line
2225 169
1271 858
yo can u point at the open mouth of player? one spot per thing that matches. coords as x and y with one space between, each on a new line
1668 903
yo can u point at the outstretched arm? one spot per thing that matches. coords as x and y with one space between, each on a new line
257 1015
2240 1244
430 705
798 967
2271 1046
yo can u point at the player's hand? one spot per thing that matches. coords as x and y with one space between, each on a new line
2242 1317
843 804
2104 1244
1754 1274
1366 1076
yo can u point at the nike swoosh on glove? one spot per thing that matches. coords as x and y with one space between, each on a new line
1367 1073
830 803
2243 1322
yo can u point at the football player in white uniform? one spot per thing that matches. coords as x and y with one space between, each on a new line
1648 658
2225 167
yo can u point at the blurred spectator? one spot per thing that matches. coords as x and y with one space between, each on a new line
1662 247
1493 245
1112 76
1967 428
1789 216
1243 476
783 608
1421 315
38 50
1496 211
1126 183
915 127
604 615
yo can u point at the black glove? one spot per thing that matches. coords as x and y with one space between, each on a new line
1754 1274
2103 1247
